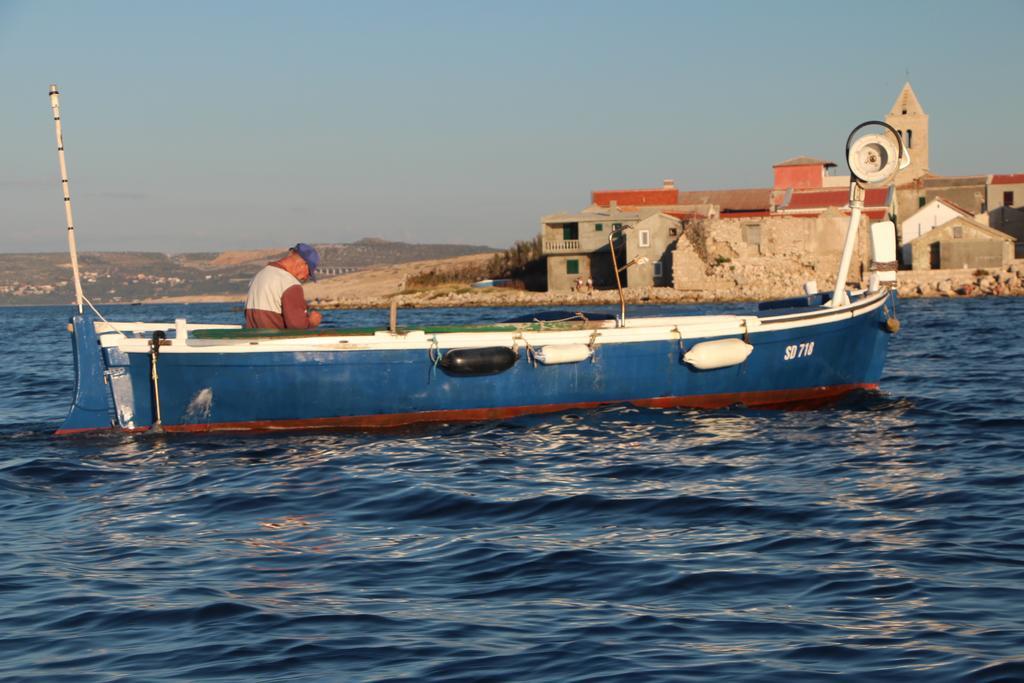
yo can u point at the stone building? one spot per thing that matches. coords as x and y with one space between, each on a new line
908 117
967 192
961 242
930 216
576 246
800 219
653 240
1009 220
1005 190
917 186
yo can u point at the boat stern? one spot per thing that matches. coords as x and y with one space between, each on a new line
90 408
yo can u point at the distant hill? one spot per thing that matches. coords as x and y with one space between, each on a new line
27 279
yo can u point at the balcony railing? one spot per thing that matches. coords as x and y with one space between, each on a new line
561 246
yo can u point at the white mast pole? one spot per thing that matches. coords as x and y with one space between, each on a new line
856 205
55 105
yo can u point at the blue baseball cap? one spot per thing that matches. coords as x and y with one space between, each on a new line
310 256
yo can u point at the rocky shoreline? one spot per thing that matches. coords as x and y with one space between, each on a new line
726 287
926 284
1005 282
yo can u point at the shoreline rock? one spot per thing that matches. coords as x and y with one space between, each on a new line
722 289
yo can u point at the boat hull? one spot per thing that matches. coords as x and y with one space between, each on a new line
367 388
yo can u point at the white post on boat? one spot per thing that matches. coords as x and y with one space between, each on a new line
72 248
180 331
856 205
873 159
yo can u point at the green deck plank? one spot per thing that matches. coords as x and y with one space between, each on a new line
281 334
341 332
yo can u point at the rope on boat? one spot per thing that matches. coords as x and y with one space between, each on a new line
432 352
682 343
578 315
592 345
112 326
154 355
531 353
892 324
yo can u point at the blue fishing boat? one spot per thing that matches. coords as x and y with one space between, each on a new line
184 377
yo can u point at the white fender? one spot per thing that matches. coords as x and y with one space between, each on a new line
553 354
720 353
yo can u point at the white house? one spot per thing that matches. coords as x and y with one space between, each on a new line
930 216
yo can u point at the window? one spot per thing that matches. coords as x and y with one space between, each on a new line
645 238
752 233
910 138
572 267
598 227
1008 198
657 269
672 232
958 232
570 231
617 226
920 202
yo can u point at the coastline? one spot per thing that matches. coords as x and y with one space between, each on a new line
462 296
377 288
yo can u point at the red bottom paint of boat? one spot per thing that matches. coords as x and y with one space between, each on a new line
788 399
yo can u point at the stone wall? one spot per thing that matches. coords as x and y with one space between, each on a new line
767 257
1008 281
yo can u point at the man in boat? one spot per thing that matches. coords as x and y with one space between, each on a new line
276 300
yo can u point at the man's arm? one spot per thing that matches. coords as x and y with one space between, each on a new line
293 310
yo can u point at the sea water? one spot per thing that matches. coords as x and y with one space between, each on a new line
878 539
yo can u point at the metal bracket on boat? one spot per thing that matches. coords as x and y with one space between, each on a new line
682 342
593 345
432 352
159 338
531 354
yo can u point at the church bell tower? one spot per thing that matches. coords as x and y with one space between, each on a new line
908 117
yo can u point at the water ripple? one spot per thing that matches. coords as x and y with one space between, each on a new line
881 538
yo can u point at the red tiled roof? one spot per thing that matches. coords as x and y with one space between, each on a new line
745 214
1008 179
746 199
803 161
654 197
875 214
823 199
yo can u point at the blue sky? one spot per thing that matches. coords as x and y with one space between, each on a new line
195 126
